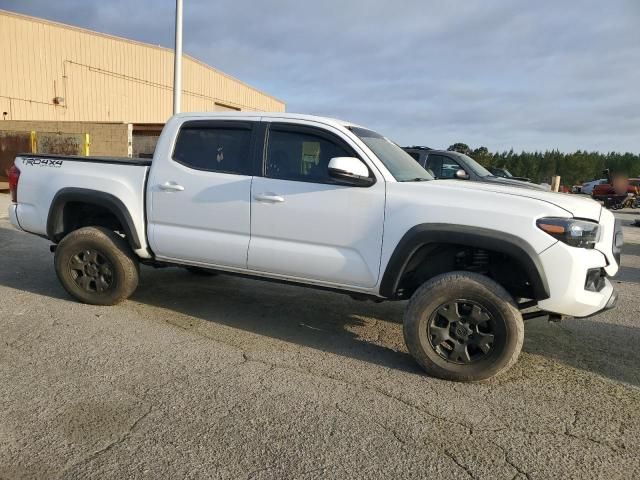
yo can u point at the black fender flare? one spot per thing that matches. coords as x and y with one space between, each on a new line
484 238
55 219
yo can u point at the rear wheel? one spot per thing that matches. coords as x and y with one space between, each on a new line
96 266
463 326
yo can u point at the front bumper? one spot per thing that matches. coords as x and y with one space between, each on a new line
568 270
613 301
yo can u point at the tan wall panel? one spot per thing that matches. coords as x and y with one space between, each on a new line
105 78
107 139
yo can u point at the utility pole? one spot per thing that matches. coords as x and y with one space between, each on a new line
177 61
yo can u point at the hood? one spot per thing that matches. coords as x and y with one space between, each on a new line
514 183
577 206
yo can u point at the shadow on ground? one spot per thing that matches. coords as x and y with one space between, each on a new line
603 348
628 275
321 320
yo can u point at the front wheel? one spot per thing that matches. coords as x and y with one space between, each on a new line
96 266
463 326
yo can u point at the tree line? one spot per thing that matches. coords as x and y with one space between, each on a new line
573 168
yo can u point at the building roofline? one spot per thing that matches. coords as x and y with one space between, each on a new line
134 42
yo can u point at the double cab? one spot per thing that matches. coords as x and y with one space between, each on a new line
327 204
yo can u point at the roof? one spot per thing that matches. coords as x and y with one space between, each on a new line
433 150
418 147
282 115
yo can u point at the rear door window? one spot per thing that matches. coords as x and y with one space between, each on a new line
215 147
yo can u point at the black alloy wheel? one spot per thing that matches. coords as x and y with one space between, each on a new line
91 271
461 331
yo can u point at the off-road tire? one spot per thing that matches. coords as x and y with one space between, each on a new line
427 303
115 271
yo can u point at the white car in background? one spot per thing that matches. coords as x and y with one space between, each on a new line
587 188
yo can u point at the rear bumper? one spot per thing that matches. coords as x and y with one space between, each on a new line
13 216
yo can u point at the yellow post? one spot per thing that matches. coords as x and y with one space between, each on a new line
87 144
34 142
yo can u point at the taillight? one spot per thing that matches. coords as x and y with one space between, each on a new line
14 176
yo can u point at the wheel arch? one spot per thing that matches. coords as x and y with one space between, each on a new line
476 237
56 226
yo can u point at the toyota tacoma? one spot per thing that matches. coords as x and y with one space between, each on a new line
332 205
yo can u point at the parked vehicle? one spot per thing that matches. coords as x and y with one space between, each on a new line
504 173
618 202
587 187
606 190
326 204
445 164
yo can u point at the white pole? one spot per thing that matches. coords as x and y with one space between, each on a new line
177 62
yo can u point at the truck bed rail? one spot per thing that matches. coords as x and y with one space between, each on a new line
142 162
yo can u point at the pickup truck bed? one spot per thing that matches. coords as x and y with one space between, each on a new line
43 198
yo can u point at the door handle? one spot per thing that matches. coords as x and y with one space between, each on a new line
268 197
171 187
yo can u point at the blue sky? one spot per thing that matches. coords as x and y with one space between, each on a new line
522 74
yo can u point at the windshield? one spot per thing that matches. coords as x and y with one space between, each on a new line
399 163
475 166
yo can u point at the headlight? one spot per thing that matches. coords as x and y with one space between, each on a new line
577 233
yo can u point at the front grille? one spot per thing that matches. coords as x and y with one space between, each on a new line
617 241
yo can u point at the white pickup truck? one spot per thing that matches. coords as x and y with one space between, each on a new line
328 204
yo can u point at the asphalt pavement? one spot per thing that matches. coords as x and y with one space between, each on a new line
225 377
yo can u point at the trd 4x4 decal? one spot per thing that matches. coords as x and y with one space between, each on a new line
43 162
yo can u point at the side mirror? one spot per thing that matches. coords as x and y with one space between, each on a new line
462 175
350 171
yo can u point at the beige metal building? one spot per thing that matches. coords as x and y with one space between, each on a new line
65 89
52 71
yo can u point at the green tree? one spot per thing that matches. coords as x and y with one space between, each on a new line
482 156
573 168
460 148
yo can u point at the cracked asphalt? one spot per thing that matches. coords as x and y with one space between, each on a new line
225 377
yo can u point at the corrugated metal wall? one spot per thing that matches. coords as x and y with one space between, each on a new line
104 78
